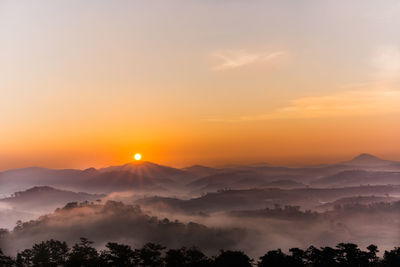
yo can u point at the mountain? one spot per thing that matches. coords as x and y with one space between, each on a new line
117 181
117 221
21 179
362 200
148 169
45 198
285 184
259 177
8 217
147 177
131 176
201 171
34 202
228 200
368 160
358 177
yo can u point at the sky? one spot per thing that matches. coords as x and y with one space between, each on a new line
213 82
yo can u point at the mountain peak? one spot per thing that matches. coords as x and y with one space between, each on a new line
367 160
366 156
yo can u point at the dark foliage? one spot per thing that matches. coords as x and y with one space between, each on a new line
6 261
53 253
391 258
47 253
184 257
117 255
232 259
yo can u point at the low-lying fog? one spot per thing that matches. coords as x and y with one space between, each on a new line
266 207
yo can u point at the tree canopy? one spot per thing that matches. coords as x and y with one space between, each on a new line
54 253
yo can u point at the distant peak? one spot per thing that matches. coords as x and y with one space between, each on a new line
364 156
91 169
367 159
40 188
197 167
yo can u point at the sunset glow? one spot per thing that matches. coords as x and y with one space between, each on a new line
233 81
199 133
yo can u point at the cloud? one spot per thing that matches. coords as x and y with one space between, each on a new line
232 59
341 104
386 60
380 95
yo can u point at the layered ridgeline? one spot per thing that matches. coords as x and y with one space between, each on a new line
144 176
252 208
149 177
36 201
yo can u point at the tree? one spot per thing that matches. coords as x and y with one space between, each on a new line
50 253
184 257
324 257
228 258
297 257
83 254
373 259
117 255
53 253
275 258
350 255
196 258
6 261
391 258
149 255
24 258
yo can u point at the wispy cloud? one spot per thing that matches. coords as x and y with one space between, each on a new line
232 59
380 95
343 104
386 61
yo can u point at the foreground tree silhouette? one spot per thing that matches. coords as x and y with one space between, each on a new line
350 255
149 255
47 253
5 261
278 258
391 258
324 257
298 256
83 254
117 255
372 257
184 257
54 253
232 259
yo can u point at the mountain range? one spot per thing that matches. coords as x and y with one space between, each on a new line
150 177
38 200
273 203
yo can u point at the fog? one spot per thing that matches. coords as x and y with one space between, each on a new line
251 231
115 221
262 211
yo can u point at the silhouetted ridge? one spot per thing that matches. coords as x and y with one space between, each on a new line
366 156
45 198
148 169
368 159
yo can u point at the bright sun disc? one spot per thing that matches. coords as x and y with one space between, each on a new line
138 156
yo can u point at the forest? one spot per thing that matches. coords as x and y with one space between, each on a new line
54 253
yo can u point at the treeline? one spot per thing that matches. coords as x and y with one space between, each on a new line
53 253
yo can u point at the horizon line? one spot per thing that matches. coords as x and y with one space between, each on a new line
227 165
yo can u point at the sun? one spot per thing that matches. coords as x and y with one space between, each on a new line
138 156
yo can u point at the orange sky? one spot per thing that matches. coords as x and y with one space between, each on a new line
197 82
